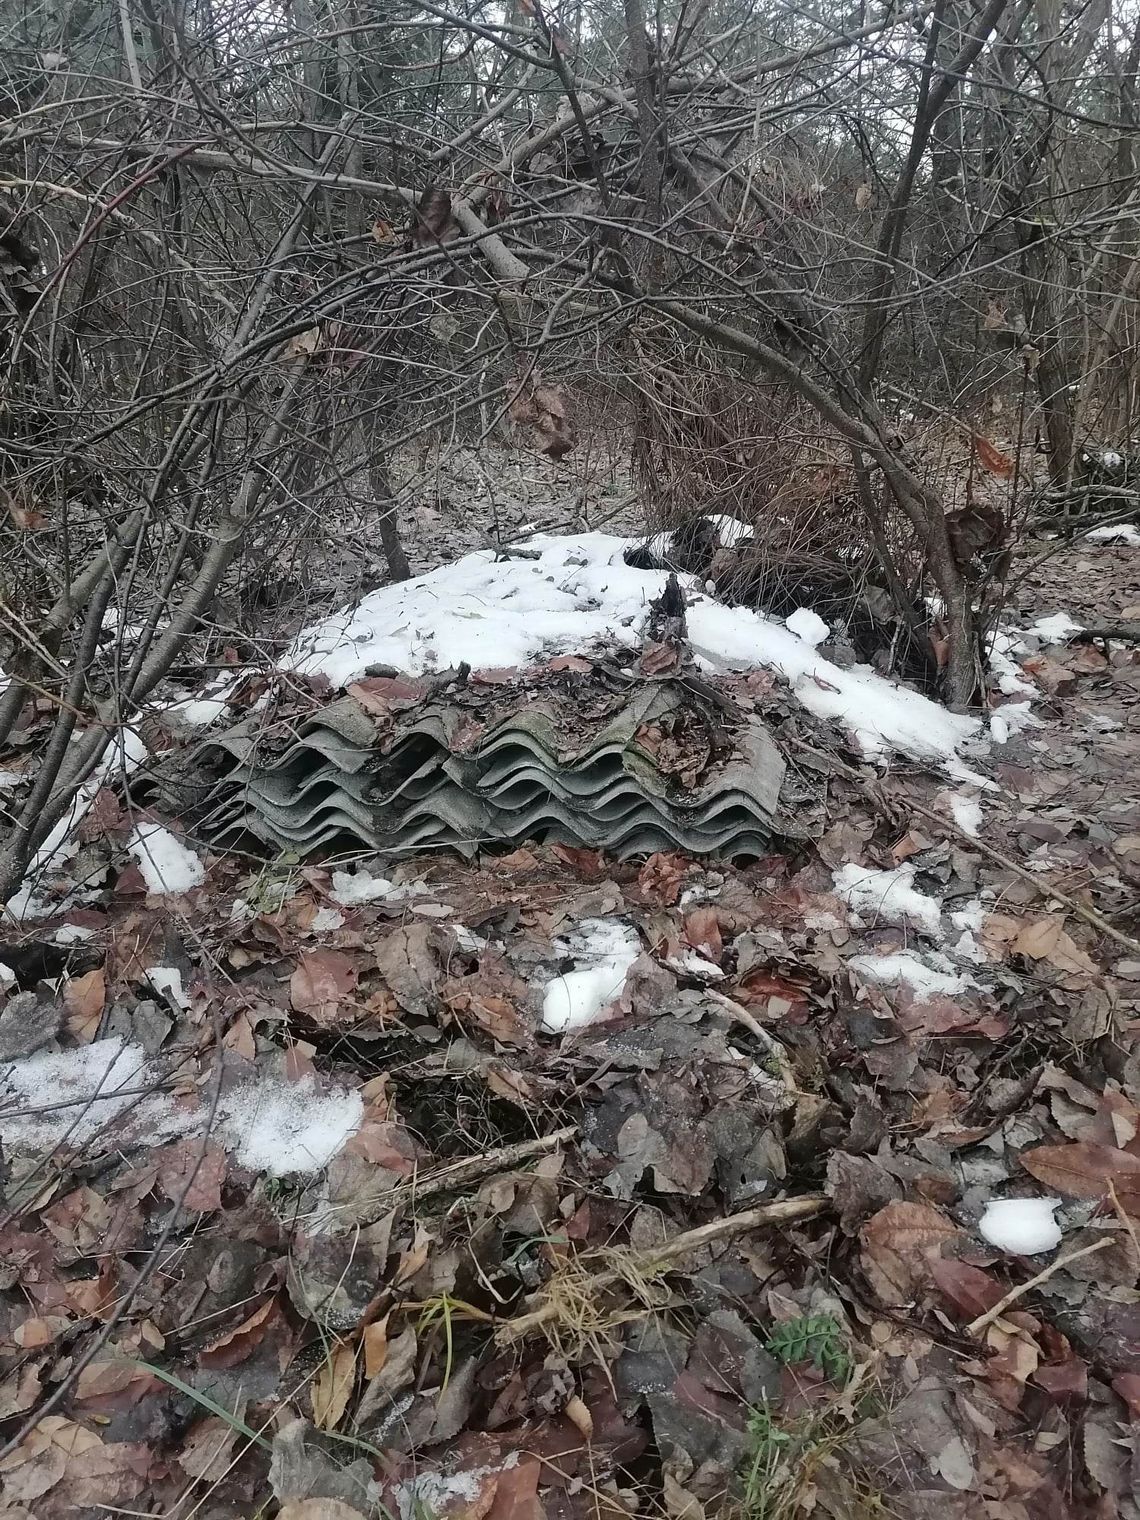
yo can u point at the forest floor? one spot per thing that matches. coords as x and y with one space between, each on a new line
310 1210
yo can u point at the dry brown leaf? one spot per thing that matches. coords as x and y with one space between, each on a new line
85 998
322 982
1046 939
432 221
900 1245
1086 1170
995 318
991 458
20 1390
207 1451
27 519
190 1176
332 1387
414 1259
702 930
546 410
40 1331
43 1457
98 1380
235 1345
375 1342
969 1289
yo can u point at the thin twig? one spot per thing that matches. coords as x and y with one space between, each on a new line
445 1179
1014 1294
1090 915
971 841
648 1262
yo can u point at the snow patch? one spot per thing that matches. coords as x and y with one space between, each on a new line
437 1493
882 717
288 1127
1005 670
73 1096
70 1095
967 813
350 888
904 966
167 866
124 755
1021 1226
889 895
1055 629
70 934
468 942
691 963
972 916
807 625
1011 718
572 592
1119 533
167 982
730 530
325 920
603 950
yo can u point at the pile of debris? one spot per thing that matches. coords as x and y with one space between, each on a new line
573 753
543 695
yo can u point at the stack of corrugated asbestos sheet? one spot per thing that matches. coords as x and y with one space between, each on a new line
430 777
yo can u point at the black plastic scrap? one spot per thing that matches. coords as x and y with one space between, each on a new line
345 777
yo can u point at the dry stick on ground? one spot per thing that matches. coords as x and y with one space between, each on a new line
1123 632
971 841
445 1179
647 1263
1090 915
979 1324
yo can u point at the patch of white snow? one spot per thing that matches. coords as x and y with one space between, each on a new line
1119 533
1055 629
168 867
1021 1226
603 950
578 592
730 530
125 754
167 981
287 1127
71 1096
889 896
325 920
691 963
967 813
1004 668
906 966
439 1493
350 888
808 625
1011 718
70 934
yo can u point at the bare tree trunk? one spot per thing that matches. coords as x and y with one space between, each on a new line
398 567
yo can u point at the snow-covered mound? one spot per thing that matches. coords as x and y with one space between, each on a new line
557 595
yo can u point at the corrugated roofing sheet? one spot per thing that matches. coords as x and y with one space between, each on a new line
430 777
